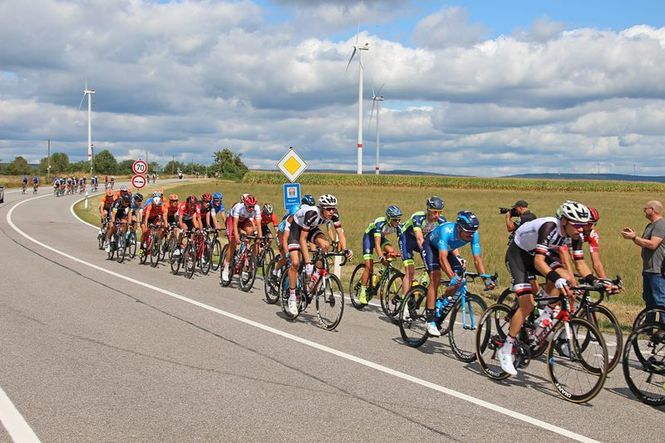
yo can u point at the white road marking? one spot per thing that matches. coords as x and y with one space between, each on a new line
367 363
17 428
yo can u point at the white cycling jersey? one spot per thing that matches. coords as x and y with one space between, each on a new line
544 234
241 213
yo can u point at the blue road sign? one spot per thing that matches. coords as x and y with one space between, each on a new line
291 195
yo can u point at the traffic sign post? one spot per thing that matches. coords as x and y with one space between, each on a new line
291 193
139 181
140 167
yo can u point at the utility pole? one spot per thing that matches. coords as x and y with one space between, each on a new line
48 162
173 166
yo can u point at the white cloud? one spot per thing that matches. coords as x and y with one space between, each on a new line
448 27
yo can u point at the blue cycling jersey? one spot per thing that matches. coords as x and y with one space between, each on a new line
147 203
444 237
217 208
292 210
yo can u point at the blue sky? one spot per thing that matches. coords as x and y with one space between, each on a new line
479 88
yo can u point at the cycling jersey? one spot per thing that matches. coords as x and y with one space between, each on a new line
216 209
107 202
188 214
445 238
284 225
593 239
545 236
119 210
380 227
308 219
418 222
265 221
35 180
240 212
153 211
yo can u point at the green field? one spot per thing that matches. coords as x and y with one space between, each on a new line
358 205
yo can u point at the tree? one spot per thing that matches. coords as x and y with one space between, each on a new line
125 167
19 166
82 166
59 163
173 167
228 165
153 168
105 162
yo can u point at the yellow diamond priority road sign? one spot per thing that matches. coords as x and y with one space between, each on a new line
292 165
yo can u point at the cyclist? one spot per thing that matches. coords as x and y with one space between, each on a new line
189 214
304 228
440 252
414 231
121 192
105 204
137 208
244 216
536 249
590 235
207 217
112 181
93 182
35 184
25 183
284 227
218 207
156 214
120 212
268 216
375 240
172 210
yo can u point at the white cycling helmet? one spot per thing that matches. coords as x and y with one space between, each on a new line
328 200
157 201
574 211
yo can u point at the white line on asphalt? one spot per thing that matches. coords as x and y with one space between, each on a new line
386 370
17 428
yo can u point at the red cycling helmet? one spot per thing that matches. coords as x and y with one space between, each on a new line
206 197
594 216
191 200
249 200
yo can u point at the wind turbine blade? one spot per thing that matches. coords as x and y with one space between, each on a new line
353 54
380 89
371 114
373 93
81 104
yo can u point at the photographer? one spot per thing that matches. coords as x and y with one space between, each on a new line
520 209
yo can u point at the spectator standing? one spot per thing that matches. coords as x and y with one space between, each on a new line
653 253
520 209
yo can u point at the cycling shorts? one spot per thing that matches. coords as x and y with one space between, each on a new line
265 231
294 236
521 267
368 245
172 219
430 256
408 244
243 225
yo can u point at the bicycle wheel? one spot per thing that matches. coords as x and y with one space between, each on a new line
101 236
222 281
216 255
122 248
247 272
411 318
190 259
578 373
644 364
491 334
354 285
507 297
330 302
205 264
652 315
112 248
391 296
153 250
607 324
463 323
131 244
271 283
269 256
175 256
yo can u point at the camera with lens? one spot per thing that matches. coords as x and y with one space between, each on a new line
513 211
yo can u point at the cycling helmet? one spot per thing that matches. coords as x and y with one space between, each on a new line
206 197
248 200
191 200
138 196
594 216
157 201
267 209
468 221
157 194
308 199
123 188
217 196
328 200
393 212
574 211
173 197
435 203
126 199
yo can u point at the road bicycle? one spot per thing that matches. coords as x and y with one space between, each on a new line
576 355
101 235
326 289
377 284
643 363
153 246
652 315
215 245
183 255
243 264
590 309
118 244
457 315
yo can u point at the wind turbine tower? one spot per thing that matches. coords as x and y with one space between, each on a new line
359 49
88 92
376 103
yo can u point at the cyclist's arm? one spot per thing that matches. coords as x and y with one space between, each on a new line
342 237
443 262
598 267
377 244
420 239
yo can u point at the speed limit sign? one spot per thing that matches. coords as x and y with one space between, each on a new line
140 167
139 181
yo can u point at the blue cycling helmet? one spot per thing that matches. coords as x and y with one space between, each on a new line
393 212
435 203
217 196
308 199
468 221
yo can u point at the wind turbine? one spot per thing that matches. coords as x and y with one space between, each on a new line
89 93
359 50
376 103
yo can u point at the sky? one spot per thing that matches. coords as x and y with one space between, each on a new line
481 88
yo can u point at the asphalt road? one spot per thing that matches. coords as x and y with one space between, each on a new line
94 350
